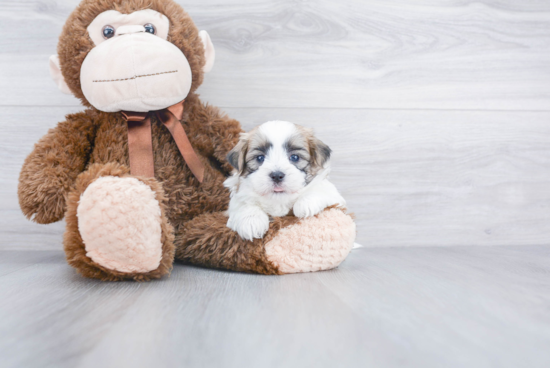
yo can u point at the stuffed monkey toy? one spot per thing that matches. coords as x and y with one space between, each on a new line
139 174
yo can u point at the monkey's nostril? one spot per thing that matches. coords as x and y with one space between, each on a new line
277 176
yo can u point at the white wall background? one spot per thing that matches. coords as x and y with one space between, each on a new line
438 112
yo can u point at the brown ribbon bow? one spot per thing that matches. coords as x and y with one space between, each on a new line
140 144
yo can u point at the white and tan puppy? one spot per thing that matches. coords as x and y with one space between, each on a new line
279 166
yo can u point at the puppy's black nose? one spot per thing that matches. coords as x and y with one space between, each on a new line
277 176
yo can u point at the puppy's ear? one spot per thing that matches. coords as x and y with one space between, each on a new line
320 152
237 156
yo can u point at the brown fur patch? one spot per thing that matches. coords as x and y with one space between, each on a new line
51 169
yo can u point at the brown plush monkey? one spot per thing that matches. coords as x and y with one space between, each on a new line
138 180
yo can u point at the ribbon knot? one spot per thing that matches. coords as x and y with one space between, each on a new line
140 144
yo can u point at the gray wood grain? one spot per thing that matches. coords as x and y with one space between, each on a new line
413 178
454 54
395 307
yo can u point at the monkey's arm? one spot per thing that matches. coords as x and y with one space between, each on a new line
213 133
52 167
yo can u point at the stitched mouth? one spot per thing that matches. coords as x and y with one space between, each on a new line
134 77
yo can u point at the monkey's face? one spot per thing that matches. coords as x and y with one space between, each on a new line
131 65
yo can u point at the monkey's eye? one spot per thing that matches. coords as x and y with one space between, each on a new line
260 158
150 28
294 158
108 32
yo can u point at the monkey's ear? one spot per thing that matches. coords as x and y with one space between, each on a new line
55 72
209 52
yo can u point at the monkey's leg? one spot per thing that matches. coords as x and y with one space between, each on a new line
291 245
116 227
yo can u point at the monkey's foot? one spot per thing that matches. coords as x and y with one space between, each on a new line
316 243
119 221
116 228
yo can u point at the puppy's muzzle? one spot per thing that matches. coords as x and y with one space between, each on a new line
277 176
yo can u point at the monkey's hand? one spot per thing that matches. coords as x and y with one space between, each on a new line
52 167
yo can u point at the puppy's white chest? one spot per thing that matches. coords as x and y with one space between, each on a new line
278 207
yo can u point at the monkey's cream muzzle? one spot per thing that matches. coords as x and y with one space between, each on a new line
135 71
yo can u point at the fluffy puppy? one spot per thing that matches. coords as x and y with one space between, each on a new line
279 166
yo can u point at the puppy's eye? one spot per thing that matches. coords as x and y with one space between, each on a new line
149 28
108 32
294 158
260 158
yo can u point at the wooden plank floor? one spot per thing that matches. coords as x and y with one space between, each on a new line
385 307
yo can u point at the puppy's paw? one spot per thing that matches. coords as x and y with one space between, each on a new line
308 206
250 227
